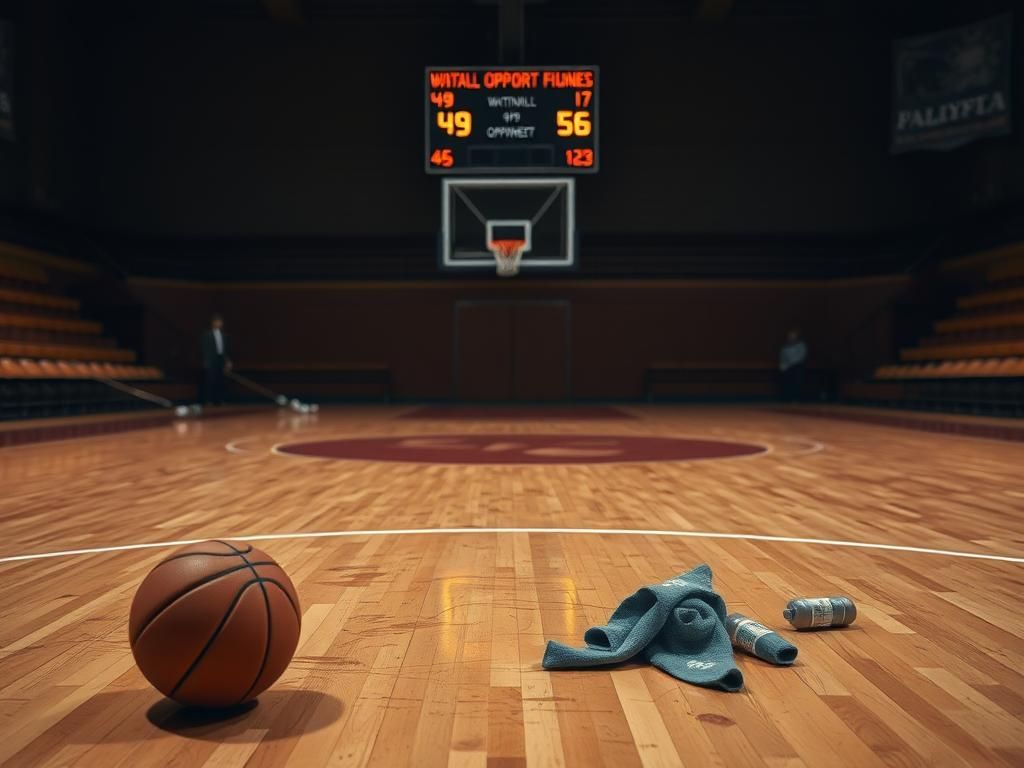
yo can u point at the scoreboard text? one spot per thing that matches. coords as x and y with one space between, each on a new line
511 119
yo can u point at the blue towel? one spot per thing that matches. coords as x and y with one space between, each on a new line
678 626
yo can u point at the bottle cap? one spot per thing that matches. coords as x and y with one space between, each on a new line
788 613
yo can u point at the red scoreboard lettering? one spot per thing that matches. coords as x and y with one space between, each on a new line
511 119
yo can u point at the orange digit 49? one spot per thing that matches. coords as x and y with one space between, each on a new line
442 99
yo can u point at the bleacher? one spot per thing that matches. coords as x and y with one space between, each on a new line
973 361
52 360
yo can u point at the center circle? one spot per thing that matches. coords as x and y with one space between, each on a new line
520 449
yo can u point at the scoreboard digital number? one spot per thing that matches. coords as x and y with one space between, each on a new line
511 120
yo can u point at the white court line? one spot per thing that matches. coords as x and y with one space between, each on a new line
814 447
585 531
232 446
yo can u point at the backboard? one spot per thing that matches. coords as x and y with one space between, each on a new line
476 212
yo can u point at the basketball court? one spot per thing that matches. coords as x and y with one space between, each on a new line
511 384
431 576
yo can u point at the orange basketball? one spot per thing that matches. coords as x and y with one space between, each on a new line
214 624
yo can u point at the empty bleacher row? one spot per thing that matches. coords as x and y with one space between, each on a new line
20 299
952 349
17 272
52 360
78 351
988 324
24 368
974 360
989 367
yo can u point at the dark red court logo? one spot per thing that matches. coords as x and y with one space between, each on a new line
521 449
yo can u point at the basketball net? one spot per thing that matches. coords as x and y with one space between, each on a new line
507 254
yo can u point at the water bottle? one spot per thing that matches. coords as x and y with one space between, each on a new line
757 639
815 612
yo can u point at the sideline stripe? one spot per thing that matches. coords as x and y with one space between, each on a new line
586 531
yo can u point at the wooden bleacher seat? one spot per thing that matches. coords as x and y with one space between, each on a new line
44 323
26 336
52 362
36 310
987 298
955 369
1008 269
1011 366
25 368
961 338
981 322
975 360
10 368
34 298
65 352
1010 307
22 271
946 369
50 369
964 351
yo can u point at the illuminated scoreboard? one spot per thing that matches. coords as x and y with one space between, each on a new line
511 120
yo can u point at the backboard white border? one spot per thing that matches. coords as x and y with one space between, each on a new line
486 259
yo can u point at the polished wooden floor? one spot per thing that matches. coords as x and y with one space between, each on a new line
424 649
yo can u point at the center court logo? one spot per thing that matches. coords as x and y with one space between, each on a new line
520 449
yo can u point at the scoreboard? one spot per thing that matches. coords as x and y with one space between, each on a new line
511 120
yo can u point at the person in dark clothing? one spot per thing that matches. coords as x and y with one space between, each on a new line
216 361
792 361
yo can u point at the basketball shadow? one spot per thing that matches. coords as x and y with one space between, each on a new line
281 714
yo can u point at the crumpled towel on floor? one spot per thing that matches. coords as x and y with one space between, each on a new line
678 626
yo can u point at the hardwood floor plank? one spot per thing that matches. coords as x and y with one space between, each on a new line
424 649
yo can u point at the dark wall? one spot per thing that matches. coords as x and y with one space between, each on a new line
239 126
245 127
756 125
181 121
618 329
11 154
37 167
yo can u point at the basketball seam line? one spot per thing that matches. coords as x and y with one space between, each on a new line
202 582
266 648
213 638
280 586
172 558
232 547
216 633
298 615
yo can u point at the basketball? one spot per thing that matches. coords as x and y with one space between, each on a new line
214 624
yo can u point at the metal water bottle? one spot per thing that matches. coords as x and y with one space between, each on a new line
814 612
757 639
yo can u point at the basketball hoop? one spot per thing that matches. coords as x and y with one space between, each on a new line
507 254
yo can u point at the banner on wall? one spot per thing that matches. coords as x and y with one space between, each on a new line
952 87
6 80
